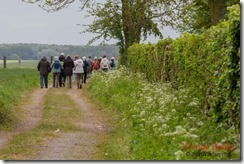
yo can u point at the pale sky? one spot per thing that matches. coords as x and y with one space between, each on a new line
27 23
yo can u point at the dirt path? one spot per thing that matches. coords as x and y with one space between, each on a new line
77 145
32 115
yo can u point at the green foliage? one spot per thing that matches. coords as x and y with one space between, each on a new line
207 65
159 122
13 84
196 16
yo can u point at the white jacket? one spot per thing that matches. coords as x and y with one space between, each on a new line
79 66
104 63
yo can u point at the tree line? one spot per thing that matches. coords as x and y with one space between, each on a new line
26 51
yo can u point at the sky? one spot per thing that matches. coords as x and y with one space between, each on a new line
27 23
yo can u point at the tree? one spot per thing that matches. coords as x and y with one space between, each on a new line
50 5
199 15
128 21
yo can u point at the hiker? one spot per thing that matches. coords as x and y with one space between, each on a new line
74 74
96 64
99 61
56 69
104 64
85 67
62 77
112 63
44 68
68 70
90 67
79 70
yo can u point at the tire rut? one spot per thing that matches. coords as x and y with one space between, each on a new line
32 113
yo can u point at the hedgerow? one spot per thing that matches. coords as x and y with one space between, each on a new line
206 65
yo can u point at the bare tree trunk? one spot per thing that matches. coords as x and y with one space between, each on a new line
217 10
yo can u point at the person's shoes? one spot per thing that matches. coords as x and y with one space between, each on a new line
80 86
41 87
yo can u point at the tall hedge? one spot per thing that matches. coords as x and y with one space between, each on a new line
207 65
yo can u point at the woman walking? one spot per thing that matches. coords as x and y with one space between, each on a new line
79 71
68 70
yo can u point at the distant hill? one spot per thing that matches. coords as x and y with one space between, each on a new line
26 51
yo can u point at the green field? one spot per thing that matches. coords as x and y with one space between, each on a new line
14 83
21 64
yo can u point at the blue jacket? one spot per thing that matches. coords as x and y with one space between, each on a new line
86 65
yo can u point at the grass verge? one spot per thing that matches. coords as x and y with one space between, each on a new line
158 123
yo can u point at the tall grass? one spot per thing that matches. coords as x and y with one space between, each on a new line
14 83
162 124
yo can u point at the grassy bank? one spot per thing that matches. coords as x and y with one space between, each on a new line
159 123
14 85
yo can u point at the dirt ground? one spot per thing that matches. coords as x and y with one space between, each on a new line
69 145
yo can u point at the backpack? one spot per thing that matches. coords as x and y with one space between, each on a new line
112 64
56 64
96 65
105 63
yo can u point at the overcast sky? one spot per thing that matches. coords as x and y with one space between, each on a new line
27 23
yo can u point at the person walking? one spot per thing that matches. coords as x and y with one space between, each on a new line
56 69
85 67
68 70
79 70
90 67
96 64
62 78
112 63
104 64
44 68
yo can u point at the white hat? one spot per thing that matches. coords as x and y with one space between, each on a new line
84 58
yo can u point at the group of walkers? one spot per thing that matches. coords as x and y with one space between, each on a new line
63 68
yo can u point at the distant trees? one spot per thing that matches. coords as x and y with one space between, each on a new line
36 51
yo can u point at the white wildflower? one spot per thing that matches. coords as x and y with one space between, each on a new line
200 123
180 130
169 134
142 113
193 129
149 99
190 135
173 110
188 114
164 126
178 154
155 125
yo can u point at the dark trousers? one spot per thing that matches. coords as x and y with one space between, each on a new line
44 80
84 77
62 79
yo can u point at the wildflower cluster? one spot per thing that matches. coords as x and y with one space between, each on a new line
160 118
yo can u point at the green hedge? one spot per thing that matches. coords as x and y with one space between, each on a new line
207 65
